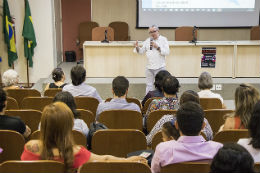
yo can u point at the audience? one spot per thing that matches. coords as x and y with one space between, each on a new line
10 79
232 158
190 146
246 96
205 84
56 141
11 122
120 87
59 77
253 144
78 86
185 97
169 131
158 92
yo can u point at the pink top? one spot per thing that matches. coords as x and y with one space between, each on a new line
79 158
186 148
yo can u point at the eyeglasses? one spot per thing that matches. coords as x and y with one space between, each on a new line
151 32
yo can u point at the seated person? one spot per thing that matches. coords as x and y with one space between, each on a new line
56 141
246 97
58 77
11 122
190 146
158 86
252 144
232 158
169 131
78 86
205 84
120 87
10 79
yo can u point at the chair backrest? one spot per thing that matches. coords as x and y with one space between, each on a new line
187 167
36 103
20 94
155 116
215 118
210 103
227 136
121 30
118 142
87 116
122 119
114 167
156 140
129 100
98 33
85 31
31 118
11 103
257 167
40 166
79 138
12 144
255 33
51 92
87 103
147 103
184 33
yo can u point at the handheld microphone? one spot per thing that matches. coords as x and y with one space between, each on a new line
151 46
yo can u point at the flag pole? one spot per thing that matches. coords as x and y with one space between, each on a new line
28 78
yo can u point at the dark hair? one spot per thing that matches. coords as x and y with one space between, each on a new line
78 75
2 99
68 99
232 158
57 74
170 130
171 85
254 126
189 95
120 85
190 118
159 77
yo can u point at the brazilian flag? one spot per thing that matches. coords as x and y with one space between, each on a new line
29 35
8 30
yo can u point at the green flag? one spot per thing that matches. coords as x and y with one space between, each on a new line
29 35
8 31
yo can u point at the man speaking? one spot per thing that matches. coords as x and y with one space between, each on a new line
156 48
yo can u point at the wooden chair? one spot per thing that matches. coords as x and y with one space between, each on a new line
51 92
87 103
20 94
87 116
98 33
118 142
121 30
122 119
187 167
255 33
85 31
39 166
11 104
36 103
156 140
155 116
184 33
12 144
147 103
215 118
129 100
79 138
31 118
114 167
257 167
227 136
210 103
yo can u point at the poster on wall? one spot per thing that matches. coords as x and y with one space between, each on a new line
208 59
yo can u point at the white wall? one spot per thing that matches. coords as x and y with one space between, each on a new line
42 15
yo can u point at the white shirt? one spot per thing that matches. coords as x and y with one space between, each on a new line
255 153
209 94
155 58
81 126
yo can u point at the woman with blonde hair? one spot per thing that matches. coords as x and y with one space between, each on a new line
246 97
56 141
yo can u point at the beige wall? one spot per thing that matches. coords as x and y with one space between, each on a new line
106 11
42 14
